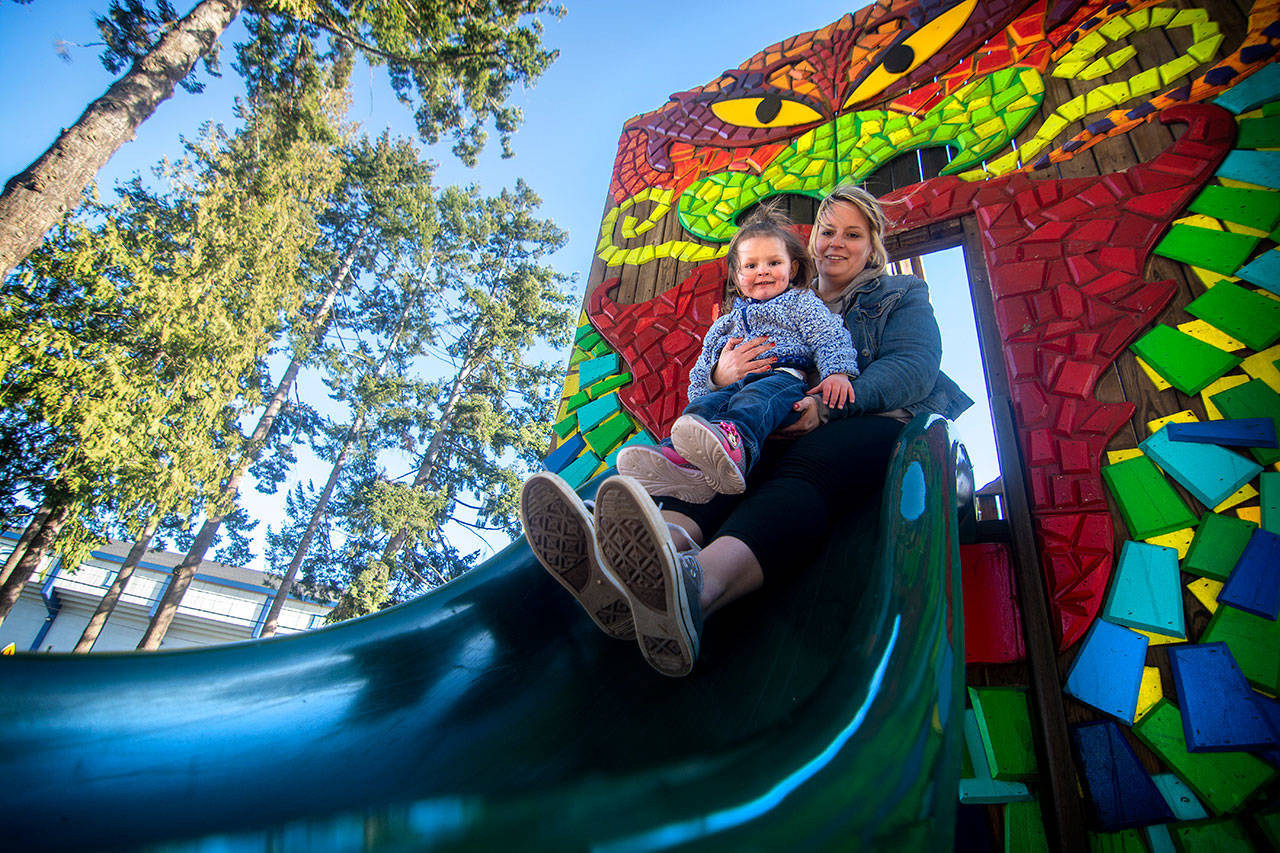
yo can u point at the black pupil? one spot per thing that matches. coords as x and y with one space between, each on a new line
768 108
898 58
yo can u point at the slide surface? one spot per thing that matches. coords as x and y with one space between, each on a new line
824 712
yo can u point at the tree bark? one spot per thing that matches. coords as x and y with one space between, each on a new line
35 199
40 543
186 570
99 618
24 540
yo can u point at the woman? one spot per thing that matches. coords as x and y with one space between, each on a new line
649 563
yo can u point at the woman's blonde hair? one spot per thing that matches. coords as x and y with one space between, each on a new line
870 207
767 221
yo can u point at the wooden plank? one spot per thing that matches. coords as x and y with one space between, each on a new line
1062 810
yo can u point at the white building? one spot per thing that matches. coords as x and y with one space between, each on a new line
223 604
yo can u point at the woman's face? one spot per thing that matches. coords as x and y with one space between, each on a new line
843 243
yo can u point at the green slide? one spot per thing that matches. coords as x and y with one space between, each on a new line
824 712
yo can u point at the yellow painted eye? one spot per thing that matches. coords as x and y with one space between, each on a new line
907 55
767 111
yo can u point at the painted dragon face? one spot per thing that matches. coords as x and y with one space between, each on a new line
1014 92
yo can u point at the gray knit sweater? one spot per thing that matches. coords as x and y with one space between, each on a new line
804 331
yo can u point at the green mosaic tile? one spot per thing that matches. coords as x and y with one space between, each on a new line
577 355
1254 642
1222 780
604 386
1125 841
588 341
1259 133
642 437
576 401
1246 315
1004 718
1270 501
1186 363
566 425
1253 399
1024 827
1221 251
1253 208
1224 835
1218 544
1148 503
609 434
602 347
1269 823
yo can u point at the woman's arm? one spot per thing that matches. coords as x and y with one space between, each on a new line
906 368
712 344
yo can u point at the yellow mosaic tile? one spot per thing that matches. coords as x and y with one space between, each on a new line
1114 456
1186 416
1206 592
1213 388
1210 334
1179 540
1150 691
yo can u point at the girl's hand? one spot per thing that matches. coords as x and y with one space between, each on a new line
810 419
739 358
836 391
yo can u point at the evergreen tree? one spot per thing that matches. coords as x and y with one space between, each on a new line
134 336
455 61
487 418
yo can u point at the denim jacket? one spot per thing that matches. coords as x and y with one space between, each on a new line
899 350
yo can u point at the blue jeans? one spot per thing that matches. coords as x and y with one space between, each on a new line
756 404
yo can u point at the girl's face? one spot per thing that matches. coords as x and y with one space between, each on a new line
764 267
843 243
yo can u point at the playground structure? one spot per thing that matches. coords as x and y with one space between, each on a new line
1111 172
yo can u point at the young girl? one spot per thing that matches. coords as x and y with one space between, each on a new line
718 438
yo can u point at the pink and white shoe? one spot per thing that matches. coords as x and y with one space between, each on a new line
664 473
715 448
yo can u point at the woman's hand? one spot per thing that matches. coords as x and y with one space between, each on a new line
810 418
740 358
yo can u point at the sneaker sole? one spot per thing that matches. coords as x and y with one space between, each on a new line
661 477
638 551
561 536
699 442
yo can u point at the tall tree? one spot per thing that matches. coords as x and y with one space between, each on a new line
455 61
491 406
384 207
133 334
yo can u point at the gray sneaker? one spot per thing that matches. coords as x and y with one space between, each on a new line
663 583
561 535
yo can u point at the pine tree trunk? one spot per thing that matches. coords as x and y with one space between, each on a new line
277 603
24 540
35 199
30 561
99 619
185 571
357 426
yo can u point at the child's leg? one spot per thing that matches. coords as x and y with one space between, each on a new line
662 470
725 449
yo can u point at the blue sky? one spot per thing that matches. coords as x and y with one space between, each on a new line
616 60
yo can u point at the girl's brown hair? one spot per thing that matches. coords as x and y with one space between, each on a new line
769 222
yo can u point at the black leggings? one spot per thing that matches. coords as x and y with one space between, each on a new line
798 488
